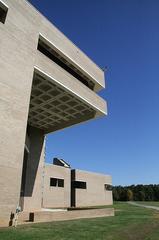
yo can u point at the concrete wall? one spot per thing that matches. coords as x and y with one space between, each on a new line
18 54
18 41
71 215
72 53
95 193
56 197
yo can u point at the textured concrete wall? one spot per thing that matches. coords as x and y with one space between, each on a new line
18 56
95 193
18 41
56 197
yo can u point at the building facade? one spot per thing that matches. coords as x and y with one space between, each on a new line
46 84
56 187
64 187
90 189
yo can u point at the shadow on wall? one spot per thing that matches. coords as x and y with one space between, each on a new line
32 156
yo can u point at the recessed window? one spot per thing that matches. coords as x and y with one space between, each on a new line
108 187
3 12
56 182
79 184
44 47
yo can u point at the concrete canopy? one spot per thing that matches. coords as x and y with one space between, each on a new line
53 107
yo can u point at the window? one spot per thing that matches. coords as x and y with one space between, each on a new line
60 183
79 184
56 182
3 12
44 47
108 187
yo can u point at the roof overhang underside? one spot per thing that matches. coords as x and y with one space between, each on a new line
52 107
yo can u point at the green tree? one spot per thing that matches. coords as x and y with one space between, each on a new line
116 196
129 195
141 196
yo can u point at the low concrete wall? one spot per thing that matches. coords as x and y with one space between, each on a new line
70 215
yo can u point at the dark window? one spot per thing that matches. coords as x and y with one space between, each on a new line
108 187
60 183
54 56
53 182
3 12
56 182
79 184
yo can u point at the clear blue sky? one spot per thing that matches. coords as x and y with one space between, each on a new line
124 36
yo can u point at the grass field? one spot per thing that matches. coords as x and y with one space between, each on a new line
130 223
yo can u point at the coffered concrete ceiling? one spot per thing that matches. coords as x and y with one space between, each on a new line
53 108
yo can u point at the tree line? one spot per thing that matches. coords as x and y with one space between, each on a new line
136 193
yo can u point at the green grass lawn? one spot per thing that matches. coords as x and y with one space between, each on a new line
130 223
156 204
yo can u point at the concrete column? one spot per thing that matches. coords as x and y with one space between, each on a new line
34 171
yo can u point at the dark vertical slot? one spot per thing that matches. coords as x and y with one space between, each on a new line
73 190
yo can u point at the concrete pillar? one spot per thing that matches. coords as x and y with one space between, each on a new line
34 171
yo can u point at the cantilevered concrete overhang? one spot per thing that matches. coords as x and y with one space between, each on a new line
73 57
67 49
58 100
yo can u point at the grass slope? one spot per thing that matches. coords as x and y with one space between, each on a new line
130 223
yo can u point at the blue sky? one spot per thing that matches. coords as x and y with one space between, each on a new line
124 36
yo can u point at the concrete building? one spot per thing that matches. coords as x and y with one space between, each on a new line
64 188
46 84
